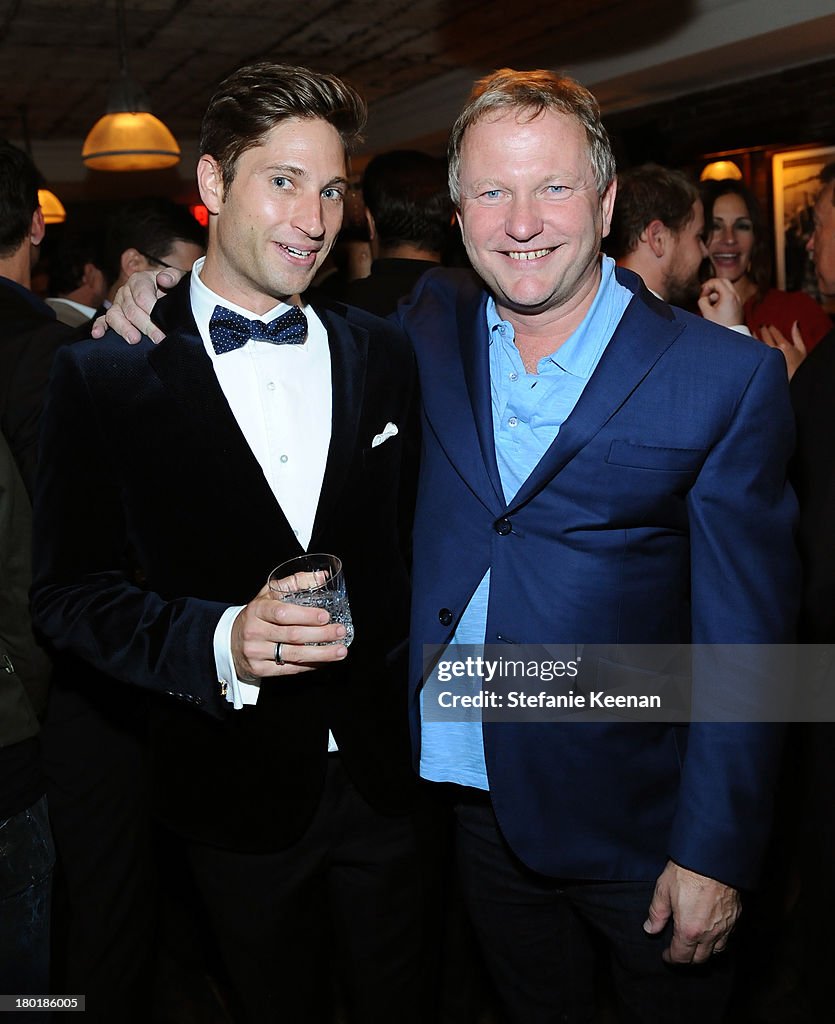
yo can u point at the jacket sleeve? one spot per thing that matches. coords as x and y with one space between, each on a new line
24 666
744 592
86 597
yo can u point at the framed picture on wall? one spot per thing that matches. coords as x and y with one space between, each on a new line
795 180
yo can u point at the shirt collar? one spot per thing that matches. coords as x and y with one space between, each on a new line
204 300
579 353
88 311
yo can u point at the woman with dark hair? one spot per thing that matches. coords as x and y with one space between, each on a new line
737 240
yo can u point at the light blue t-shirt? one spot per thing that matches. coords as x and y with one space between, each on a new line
528 411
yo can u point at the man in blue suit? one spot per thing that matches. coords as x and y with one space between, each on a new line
598 468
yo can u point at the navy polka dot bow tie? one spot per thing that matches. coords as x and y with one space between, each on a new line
229 330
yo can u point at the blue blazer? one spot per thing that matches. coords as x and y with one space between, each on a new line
660 514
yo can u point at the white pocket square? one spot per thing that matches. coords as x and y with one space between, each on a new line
389 430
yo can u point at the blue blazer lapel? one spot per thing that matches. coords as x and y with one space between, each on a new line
456 398
474 341
645 332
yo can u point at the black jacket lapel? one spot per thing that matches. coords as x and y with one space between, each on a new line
185 369
349 353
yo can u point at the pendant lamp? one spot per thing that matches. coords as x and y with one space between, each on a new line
128 137
719 170
51 207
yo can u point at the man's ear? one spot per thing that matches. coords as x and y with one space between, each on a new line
607 205
210 183
372 227
373 237
95 281
657 236
132 260
37 229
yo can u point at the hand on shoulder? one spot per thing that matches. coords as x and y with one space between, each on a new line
130 314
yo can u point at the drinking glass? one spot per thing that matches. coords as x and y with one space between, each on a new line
315 581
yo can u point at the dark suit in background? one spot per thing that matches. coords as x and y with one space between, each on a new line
103 904
28 854
30 335
390 281
813 476
409 214
813 744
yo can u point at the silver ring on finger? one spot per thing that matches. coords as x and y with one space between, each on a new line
277 657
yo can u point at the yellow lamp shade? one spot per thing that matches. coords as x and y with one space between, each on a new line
124 141
721 170
51 207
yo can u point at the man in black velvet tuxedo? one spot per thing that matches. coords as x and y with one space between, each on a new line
260 428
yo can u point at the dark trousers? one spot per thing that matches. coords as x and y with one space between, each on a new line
538 937
27 857
343 901
104 907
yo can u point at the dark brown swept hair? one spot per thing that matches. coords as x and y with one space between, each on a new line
255 98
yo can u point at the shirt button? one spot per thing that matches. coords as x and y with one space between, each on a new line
283 458
271 386
512 422
513 376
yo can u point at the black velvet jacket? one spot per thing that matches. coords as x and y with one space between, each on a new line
143 464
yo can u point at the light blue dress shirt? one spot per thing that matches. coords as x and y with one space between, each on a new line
528 411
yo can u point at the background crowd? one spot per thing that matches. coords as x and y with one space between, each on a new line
128 793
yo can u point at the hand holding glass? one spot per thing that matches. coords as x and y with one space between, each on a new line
315 581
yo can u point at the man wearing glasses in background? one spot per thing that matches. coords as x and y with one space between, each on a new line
151 234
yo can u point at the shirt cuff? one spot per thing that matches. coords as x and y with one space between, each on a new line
237 692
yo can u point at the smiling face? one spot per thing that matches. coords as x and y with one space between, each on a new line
273 226
731 237
530 215
822 241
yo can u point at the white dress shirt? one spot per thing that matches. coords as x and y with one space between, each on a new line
61 306
280 396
